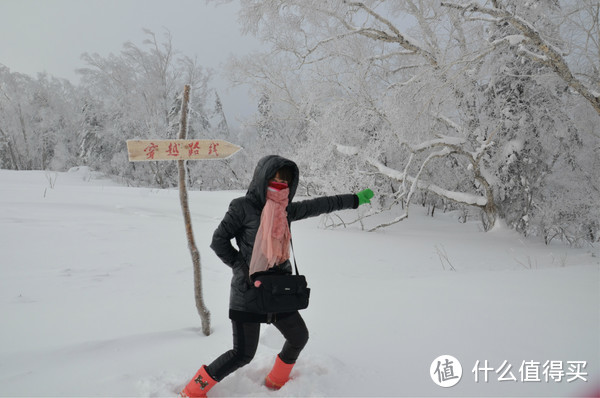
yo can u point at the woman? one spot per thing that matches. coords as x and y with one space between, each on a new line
259 223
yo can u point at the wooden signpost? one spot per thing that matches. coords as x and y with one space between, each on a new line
146 150
181 150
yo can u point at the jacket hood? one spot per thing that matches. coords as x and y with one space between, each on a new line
266 169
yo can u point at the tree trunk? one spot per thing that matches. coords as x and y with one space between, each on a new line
13 157
29 165
183 196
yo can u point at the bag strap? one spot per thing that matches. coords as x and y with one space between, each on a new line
294 256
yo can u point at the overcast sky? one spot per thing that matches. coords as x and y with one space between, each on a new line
51 35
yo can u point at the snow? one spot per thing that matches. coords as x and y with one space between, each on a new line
442 140
347 150
537 57
96 299
511 148
387 171
512 40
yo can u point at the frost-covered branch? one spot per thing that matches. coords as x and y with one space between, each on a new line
450 124
548 54
442 146
395 54
450 145
328 40
396 36
441 141
458 197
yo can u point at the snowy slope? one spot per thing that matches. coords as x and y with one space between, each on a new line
96 299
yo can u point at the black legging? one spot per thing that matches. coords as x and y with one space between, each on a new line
245 342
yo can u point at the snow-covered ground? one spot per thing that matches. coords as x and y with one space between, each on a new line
96 299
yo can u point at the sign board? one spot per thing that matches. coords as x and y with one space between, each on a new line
147 150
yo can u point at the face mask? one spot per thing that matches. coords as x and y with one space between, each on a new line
278 185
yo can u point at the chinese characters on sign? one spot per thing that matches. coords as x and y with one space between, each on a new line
212 148
145 150
150 150
173 149
193 149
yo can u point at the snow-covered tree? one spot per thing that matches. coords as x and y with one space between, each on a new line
532 94
135 95
209 122
39 121
471 102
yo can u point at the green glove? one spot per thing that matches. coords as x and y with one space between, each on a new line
365 196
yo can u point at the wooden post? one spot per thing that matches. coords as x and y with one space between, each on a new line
183 197
182 150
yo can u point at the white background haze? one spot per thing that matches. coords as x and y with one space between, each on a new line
50 36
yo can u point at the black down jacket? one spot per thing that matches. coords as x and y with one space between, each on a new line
243 218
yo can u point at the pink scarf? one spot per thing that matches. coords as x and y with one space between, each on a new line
272 244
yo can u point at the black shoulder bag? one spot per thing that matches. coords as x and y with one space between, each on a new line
277 291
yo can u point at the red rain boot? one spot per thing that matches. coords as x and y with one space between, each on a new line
199 385
279 375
